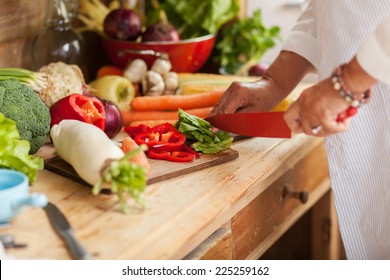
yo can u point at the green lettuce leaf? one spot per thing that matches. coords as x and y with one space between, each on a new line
200 131
194 18
14 153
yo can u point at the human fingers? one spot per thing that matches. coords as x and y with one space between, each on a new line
292 118
226 104
325 127
331 127
231 100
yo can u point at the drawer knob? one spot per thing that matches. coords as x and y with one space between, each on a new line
302 196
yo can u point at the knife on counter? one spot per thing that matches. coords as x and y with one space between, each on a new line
254 124
63 229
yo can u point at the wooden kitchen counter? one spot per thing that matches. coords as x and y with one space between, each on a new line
234 210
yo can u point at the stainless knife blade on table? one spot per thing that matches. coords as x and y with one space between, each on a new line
63 229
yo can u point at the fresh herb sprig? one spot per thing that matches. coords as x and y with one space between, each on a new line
243 43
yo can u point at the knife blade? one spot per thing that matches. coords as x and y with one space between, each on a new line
255 124
65 231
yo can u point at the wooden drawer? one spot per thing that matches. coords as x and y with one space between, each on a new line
261 223
217 246
256 227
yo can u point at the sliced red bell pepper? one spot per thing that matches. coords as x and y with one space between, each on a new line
162 137
187 149
164 142
175 156
132 131
79 107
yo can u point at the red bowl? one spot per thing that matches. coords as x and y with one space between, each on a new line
185 56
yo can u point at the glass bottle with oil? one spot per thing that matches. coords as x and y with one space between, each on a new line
58 40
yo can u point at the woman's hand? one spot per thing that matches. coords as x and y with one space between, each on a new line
317 109
263 95
318 106
256 96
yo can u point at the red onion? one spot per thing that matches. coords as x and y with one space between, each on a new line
113 118
161 31
123 24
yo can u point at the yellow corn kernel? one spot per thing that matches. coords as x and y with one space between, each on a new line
284 104
199 88
192 83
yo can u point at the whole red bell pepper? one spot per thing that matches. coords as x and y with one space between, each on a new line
79 107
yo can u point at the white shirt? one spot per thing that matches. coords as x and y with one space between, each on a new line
329 33
378 66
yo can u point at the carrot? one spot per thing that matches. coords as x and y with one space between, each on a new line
174 102
152 123
130 116
128 144
109 70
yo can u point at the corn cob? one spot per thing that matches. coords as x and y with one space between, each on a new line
199 88
183 77
193 83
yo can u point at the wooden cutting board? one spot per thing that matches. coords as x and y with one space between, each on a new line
160 169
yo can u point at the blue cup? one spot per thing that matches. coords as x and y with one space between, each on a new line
14 195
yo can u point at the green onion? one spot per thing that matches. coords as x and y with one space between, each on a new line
37 81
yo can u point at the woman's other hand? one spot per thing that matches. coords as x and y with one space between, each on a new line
317 109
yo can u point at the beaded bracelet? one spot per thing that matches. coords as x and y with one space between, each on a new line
353 99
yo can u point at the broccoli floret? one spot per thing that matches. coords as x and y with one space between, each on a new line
21 104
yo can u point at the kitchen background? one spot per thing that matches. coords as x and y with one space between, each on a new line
283 13
20 19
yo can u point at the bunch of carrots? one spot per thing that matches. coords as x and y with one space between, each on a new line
153 110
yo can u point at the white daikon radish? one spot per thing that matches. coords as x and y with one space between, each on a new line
98 160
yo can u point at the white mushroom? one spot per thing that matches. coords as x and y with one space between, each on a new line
135 71
162 66
153 84
171 80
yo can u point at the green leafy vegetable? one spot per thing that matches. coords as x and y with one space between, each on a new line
243 43
125 176
199 130
14 153
194 18
21 104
